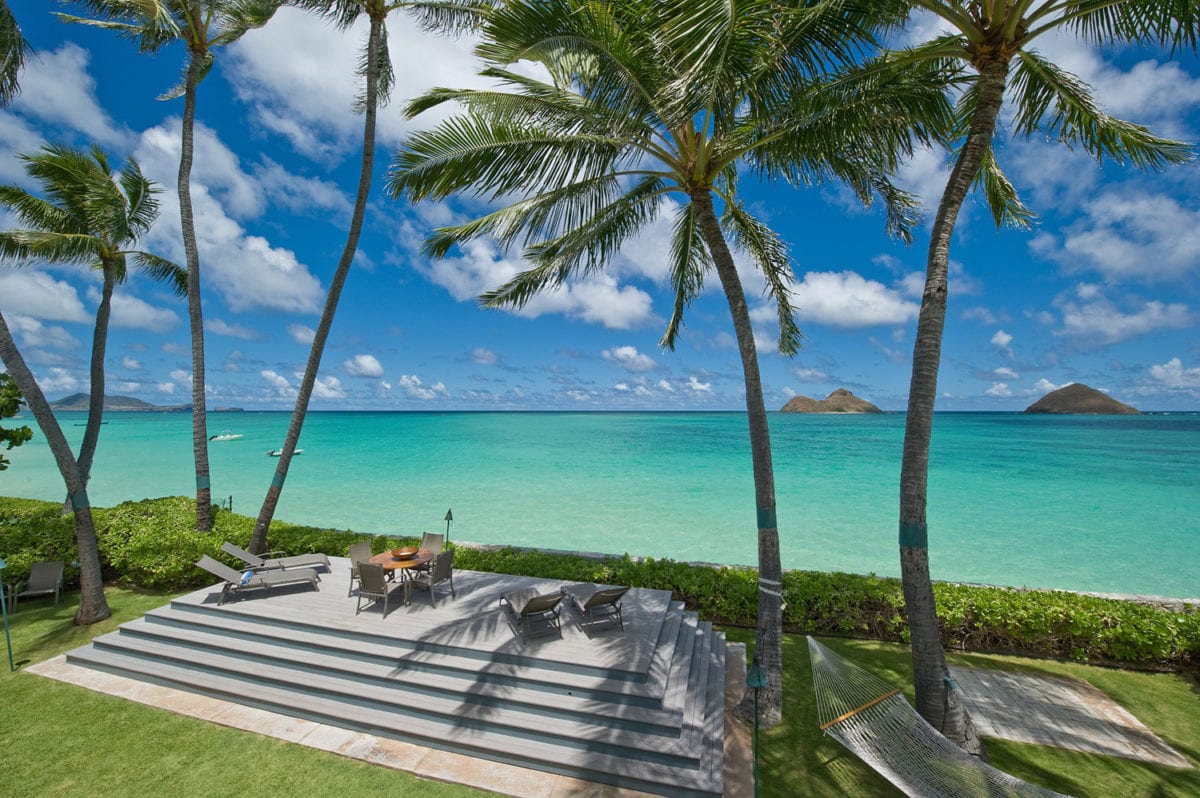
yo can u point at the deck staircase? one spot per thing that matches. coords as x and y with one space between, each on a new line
641 709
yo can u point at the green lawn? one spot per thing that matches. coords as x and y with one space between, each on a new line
58 739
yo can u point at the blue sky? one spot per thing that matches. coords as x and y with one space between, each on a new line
1102 291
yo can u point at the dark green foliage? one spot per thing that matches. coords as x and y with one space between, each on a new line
153 544
10 405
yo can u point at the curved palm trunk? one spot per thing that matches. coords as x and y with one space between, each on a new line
769 646
937 701
92 604
195 312
87 449
258 541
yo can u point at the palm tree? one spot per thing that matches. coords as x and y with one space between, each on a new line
375 69
991 40
201 25
89 216
13 51
650 99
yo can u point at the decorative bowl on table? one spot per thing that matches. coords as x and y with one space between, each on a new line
405 552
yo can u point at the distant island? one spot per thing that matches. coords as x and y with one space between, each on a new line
840 401
79 401
1079 398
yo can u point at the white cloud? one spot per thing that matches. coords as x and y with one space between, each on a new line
980 314
60 382
1172 374
57 88
34 334
999 389
815 376
697 386
166 387
38 295
303 195
846 299
16 136
484 357
278 384
415 389
1095 320
129 312
1044 386
301 334
182 377
363 366
131 363
1001 341
220 327
620 386
666 386
1005 373
628 358
328 388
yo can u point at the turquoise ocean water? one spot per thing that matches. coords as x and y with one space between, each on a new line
1107 503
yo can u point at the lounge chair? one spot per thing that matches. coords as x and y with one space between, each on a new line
270 563
373 587
44 578
596 605
237 581
442 571
360 552
533 613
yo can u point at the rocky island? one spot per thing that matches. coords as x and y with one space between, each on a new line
1079 398
840 401
79 401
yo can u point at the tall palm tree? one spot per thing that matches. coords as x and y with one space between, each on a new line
89 216
201 26
647 100
991 42
375 69
13 51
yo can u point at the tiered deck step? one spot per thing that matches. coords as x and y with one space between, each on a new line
642 708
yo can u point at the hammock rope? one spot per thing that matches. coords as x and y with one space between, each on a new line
874 721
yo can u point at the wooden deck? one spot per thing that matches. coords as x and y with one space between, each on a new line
641 709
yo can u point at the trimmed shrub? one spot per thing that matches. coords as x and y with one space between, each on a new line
36 531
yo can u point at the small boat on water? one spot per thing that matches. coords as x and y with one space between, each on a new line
278 452
227 435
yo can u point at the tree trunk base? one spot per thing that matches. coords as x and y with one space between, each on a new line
770 713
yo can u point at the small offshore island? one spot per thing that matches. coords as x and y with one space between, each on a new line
78 402
1079 398
840 401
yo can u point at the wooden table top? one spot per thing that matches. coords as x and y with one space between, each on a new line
392 563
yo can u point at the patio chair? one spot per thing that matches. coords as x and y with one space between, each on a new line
360 552
238 581
533 613
442 571
44 578
373 587
596 605
433 542
270 563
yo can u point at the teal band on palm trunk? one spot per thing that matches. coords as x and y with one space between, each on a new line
277 480
914 536
80 500
766 518
203 483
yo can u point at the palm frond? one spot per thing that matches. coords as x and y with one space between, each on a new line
450 16
150 23
1002 197
1174 23
1054 101
769 254
384 77
689 262
162 270
239 17
14 49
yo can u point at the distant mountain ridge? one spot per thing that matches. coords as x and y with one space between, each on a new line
79 401
1079 398
840 401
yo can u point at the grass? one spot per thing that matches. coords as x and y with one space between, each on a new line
59 739
796 753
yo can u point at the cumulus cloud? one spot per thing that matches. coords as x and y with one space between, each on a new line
628 358
1044 386
278 384
999 389
301 334
1092 319
415 389
57 88
1173 375
131 363
38 295
59 381
220 327
35 334
1004 372
815 376
326 388
363 366
666 386
484 357
847 300
303 195
129 312
1001 341
697 386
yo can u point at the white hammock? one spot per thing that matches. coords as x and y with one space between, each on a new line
872 719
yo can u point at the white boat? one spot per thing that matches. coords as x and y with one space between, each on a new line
227 435
278 452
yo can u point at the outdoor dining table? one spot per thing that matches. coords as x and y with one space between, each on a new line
393 564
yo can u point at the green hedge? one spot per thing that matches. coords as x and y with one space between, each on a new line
153 544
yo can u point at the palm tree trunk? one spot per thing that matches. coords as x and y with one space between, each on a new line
258 541
936 697
769 646
195 312
92 604
87 449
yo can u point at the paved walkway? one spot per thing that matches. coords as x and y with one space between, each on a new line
1061 712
